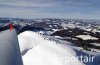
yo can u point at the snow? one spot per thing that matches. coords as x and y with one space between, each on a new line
55 30
88 29
36 50
9 48
25 41
87 37
58 37
96 44
44 52
71 25
96 30
41 32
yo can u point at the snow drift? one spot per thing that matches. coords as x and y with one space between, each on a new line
9 48
44 52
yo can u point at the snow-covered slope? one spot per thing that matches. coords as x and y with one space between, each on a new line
44 52
87 37
9 48
28 40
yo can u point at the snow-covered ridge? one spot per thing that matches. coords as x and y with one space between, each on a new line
44 52
28 40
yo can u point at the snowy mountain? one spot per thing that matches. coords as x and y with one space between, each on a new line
45 52
56 41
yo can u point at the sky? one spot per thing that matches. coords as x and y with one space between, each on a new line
73 9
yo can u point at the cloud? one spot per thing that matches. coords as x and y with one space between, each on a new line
50 8
23 13
51 3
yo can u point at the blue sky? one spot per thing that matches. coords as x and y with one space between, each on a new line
76 9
